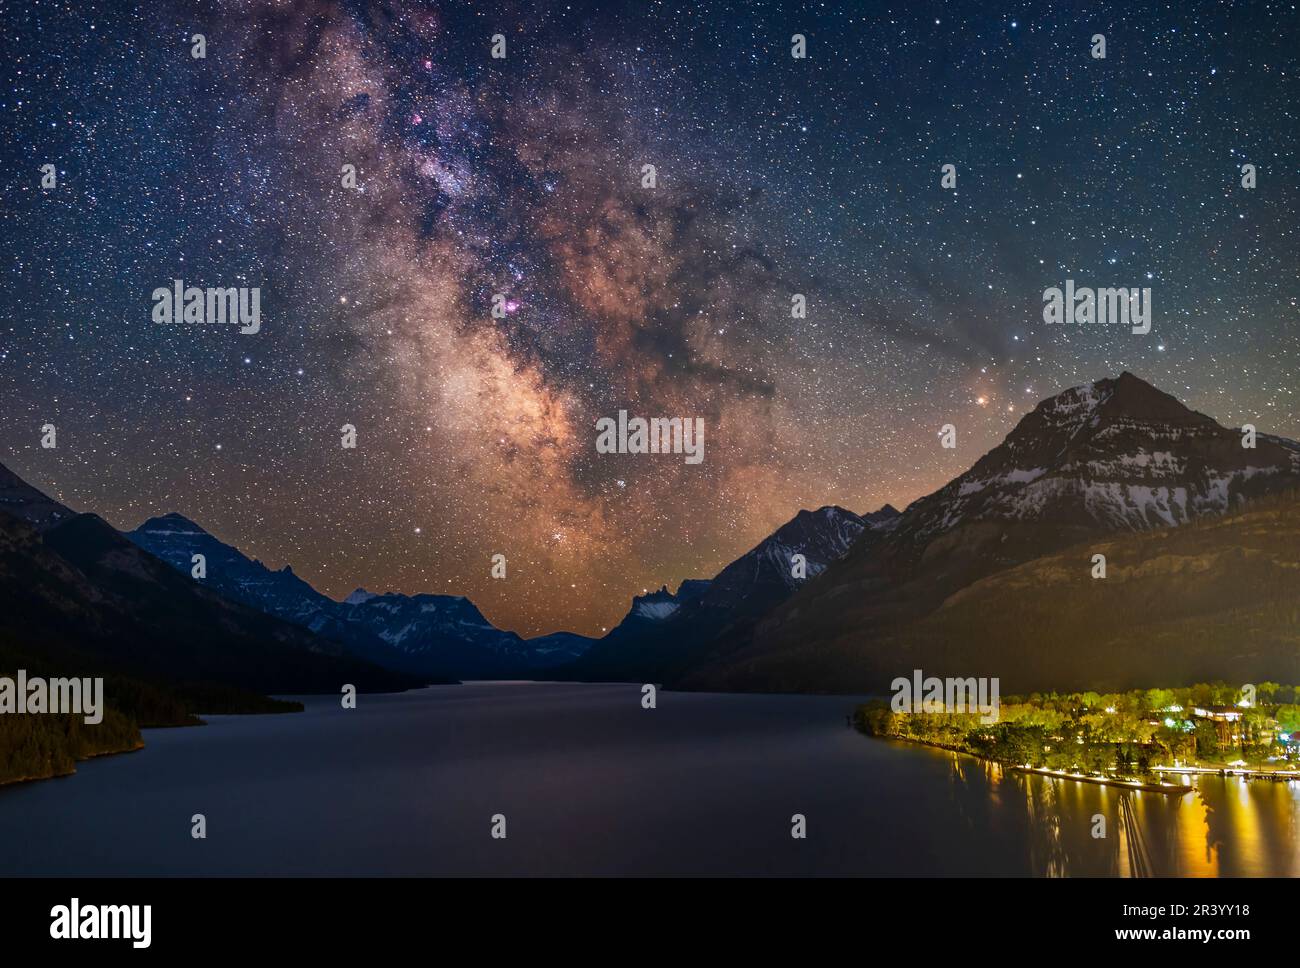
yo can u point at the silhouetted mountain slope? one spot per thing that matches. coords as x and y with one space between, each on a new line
77 591
636 649
1215 599
441 632
665 633
1108 458
765 575
442 637
557 649
175 539
26 503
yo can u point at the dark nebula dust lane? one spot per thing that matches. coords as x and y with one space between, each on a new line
518 184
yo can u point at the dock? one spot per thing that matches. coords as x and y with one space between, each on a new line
1173 789
1277 776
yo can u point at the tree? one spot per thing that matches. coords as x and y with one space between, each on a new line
1288 718
1207 740
1267 691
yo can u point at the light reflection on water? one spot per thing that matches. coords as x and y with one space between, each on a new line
1225 827
593 783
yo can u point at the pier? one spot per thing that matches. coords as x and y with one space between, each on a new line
1176 789
1277 776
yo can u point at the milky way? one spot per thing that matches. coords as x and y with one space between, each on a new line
523 177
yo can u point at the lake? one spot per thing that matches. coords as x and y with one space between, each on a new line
591 783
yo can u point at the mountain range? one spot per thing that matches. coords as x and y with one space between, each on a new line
442 636
969 577
1116 464
76 597
666 633
447 636
432 637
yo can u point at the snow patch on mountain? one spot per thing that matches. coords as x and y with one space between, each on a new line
656 611
1118 453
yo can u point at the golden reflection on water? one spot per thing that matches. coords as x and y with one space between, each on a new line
1226 826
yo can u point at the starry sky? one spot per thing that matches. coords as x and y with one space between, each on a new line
523 176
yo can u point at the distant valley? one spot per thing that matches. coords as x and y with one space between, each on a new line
988 576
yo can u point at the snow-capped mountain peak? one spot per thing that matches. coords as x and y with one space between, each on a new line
171 524
1116 453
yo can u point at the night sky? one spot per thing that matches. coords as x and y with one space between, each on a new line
522 176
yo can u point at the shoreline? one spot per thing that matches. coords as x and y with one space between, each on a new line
14 781
1179 789
1172 789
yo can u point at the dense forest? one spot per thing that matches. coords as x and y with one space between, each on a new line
1121 733
36 746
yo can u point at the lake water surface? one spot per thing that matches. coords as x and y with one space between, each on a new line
591 783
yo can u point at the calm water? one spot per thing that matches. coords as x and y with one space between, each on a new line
592 783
